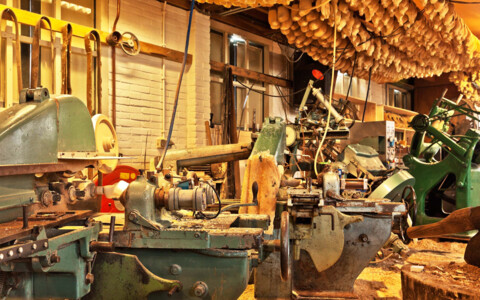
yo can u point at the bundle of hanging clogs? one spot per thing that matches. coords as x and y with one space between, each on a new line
396 39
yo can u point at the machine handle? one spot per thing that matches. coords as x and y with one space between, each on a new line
285 256
255 192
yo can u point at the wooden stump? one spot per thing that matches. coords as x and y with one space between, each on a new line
423 285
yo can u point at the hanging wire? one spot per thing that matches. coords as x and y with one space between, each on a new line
368 92
331 91
179 84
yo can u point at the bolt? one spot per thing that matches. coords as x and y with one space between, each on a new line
199 290
89 278
173 290
10 253
20 250
34 246
363 238
54 258
1 256
196 235
175 269
45 245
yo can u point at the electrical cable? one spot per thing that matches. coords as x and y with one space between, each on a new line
269 95
201 215
350 85
351 77
284 101
116 17
177 92
290 60
368 92
331 90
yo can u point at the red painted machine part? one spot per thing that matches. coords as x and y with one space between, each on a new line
122 172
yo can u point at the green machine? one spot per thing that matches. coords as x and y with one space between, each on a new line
53 242
45 245
449 183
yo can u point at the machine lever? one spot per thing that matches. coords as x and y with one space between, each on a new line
111 229
25 216
458 221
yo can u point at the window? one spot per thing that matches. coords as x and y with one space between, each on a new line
217 53
248 55
399 96
237 51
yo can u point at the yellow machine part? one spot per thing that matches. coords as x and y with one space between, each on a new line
263 169
106 142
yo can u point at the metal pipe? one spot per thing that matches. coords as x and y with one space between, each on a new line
25 216
319 96
456 148
207 155
305 96
164 81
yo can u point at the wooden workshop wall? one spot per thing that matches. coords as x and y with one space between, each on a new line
428 89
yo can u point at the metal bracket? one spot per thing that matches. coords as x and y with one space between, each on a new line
135 217
34 95
22 250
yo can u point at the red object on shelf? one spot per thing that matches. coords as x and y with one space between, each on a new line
317 74
122 172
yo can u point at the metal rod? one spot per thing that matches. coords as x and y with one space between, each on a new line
25 216
112 229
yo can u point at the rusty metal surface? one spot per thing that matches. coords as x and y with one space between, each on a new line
22 250
13 230
285 257
355 257
187 238
72 166
325 295
380 206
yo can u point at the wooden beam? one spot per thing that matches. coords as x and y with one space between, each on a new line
31 19
242 72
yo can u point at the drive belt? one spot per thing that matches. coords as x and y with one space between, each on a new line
9 15
92 105
34 75
66 54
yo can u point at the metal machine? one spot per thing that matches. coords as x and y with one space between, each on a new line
319 238
380 135
443 186
326 239
54 245
44 142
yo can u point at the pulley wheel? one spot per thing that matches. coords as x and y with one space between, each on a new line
291 136
130 44
106 142
285 257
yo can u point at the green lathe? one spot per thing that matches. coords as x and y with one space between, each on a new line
453 181
53 242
